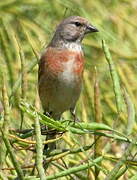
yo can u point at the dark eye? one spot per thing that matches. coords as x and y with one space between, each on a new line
78 24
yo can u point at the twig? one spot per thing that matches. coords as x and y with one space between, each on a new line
39 150
115 77
33 142
98 118
13 158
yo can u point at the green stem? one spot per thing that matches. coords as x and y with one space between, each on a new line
115 77
39 150
13 158
75 169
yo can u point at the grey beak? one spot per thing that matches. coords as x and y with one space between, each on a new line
91 29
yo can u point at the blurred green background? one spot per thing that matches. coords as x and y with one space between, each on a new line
26 27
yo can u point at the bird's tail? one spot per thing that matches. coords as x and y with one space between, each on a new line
51 134
50 146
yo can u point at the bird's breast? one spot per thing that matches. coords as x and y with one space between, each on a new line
65 62
71 72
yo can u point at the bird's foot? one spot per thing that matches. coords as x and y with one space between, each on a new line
76 119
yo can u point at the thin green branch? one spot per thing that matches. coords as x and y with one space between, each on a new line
29 67
98 118
39 150
5 125
130 113
12 155
115 77
75 169
113 173
7 53
23 77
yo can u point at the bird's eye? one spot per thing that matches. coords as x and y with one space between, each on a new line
78 24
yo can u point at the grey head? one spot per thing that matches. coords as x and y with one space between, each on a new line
72 29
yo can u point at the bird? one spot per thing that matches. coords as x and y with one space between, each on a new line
61 68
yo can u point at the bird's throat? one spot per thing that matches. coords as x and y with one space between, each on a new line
73 46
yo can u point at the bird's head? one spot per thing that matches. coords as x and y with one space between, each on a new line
74 28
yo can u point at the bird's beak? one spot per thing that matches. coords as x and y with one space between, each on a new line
90 28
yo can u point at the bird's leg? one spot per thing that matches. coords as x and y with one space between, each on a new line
73 113
48 114
43 127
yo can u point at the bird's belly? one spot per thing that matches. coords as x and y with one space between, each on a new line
67 91
62 94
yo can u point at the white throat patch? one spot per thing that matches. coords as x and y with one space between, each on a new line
73 46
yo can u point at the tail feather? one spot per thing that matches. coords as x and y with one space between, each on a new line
50 135
51 146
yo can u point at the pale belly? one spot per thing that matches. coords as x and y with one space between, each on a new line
65 94
61 94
